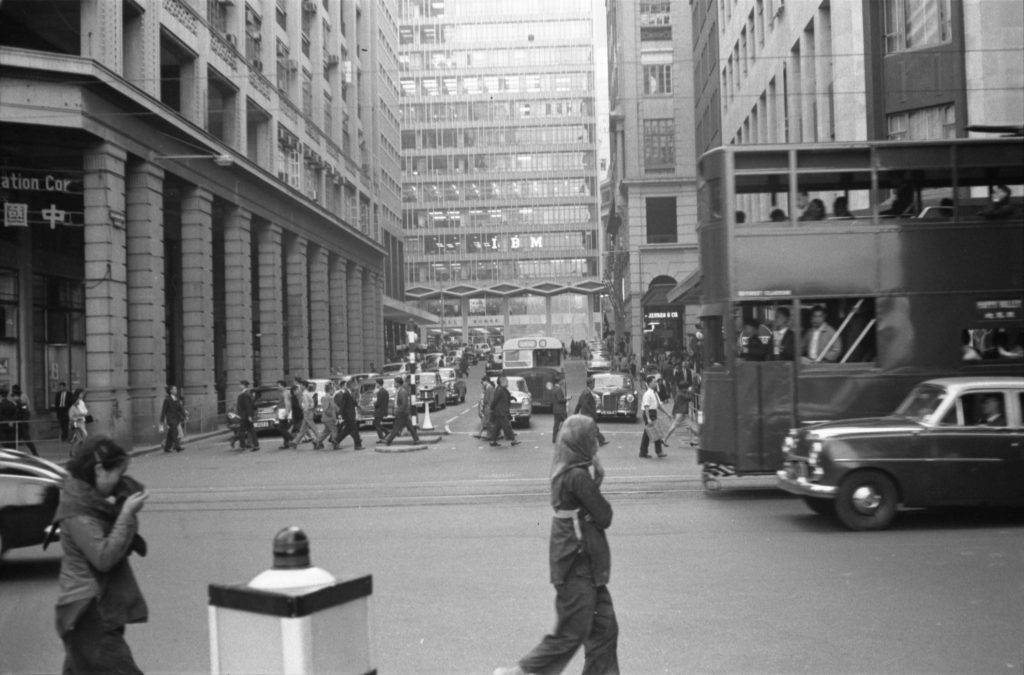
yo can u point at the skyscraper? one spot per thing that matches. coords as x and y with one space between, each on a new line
501 204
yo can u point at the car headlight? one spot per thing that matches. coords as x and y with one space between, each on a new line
789 444
630 398
816 448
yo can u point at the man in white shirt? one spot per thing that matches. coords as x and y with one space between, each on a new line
816 347
650 404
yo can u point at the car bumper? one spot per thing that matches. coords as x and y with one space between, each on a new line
787 480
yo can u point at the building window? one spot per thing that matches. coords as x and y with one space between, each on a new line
655 20
912 24
282 13
217 15
659 145
658 79
284 67
307 93
661 220
253 38
924 124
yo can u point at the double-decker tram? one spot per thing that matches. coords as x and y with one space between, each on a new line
537 360
836 277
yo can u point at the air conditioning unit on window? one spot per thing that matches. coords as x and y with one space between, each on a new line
333 59
293 65
309 6
232 39
257 65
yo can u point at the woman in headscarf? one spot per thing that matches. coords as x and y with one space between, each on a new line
580 561
98 520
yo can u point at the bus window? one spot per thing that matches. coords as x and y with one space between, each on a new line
548 358
836 331
521 358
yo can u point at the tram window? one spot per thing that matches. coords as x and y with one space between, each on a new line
838 330
992 344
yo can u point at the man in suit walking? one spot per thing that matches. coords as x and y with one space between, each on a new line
587 406
501 414
403 409
381 398
61 405
346 402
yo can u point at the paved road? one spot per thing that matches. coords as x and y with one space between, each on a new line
743 581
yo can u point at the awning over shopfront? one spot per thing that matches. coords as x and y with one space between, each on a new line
687 291
403 312
656 295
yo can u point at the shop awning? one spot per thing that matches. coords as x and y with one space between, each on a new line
403 312
656 296
687 291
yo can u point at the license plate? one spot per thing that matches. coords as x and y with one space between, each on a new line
262 425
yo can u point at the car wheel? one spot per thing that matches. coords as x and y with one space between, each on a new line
823 507
867 501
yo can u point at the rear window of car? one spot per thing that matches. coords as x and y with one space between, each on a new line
427 379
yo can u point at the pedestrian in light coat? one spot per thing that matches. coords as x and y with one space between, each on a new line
329 416
484 411
403 413
284 415
307 428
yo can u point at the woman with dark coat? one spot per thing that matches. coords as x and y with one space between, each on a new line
580 561
98 592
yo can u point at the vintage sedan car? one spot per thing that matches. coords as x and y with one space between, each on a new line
393 370
267 397
494 364
616 396
29 494
454 386
599 362
521 406
429 390
366 398
955 441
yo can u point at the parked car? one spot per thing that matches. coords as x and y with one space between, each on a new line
393 370
267 397
494 365
433 361
454 387
429 390
952 442
522 402
366 398
29 494
616 396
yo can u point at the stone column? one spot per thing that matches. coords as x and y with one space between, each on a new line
147 336
199 376
319 313
101 26
271 305
371 330
338 276
296 283
381 357
106 302
356 318
238 308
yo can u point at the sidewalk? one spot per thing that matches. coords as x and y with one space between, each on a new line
58 451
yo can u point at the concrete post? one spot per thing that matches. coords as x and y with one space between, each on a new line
296 280
147 337
338 275
371 331
271 307
319 313
199 376
356 318
106 303
238 309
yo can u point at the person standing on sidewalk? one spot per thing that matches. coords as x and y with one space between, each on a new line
22 416
403 410
61 404
172 416
650 404
501 414
580 561
245 406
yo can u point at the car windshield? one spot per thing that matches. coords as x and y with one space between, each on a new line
517 384
922 402
609 381
447 373
392 368
427 379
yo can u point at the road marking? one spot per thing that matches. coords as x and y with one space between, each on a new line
449 421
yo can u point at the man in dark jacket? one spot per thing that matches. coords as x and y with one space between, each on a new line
501 413
559 410
346 402
381 398
8 417
61 405
403 413
587 406
23 414
580 561
245 406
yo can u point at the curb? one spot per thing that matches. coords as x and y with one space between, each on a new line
389 450
147 450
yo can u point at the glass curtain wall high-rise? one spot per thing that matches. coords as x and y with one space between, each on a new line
499 157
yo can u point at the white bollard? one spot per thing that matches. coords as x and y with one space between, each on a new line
427 424
294 619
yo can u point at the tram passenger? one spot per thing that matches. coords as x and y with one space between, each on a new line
992 412
812 209
755 341
999 204
816 347
902 199
840 208
783 340
778 216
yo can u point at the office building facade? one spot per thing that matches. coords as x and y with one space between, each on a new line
651 230
195 192
501 204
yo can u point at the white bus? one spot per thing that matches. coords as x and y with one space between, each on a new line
537 360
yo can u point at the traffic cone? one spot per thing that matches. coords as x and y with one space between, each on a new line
427 425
